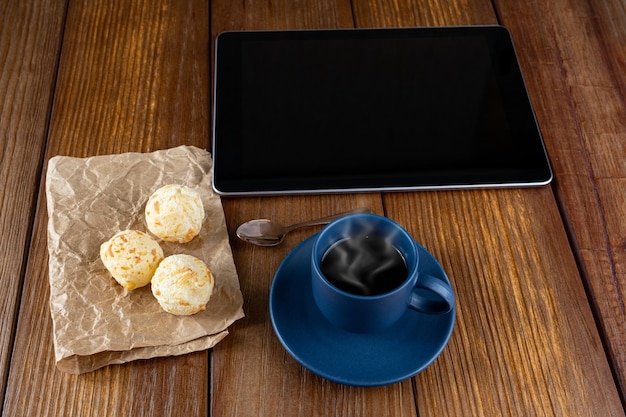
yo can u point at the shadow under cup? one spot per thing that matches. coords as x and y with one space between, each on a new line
371 313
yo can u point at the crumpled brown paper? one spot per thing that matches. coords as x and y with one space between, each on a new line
97 322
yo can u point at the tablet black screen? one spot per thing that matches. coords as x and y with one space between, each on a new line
337 110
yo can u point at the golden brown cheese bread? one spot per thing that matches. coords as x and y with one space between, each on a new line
131 256
175 213
182 284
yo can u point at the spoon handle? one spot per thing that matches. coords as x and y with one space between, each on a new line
325 220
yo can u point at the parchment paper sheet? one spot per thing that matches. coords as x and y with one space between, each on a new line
97 322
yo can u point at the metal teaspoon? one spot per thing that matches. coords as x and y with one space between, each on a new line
264 232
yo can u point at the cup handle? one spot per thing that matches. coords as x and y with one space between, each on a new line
432 295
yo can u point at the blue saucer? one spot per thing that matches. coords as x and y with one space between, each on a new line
348 358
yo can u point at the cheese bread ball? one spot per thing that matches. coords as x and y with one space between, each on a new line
183 284
131 256
175 213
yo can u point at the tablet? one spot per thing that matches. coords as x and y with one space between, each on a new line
347 110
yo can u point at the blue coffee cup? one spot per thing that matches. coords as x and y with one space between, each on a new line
356 310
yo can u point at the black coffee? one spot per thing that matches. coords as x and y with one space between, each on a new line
365 265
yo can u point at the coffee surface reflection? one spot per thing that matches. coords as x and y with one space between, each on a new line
364 265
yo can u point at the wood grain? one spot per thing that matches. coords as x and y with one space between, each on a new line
251 372
411 13
30 40
545 319
574 59
521 298
278 15
133 76
525 343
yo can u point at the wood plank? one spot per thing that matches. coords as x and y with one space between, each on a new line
133 76
522 312
30 41
409 13
251 372
141 88
269 15
574 59
502 399
525 343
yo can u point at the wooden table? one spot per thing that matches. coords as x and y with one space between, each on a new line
540 273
